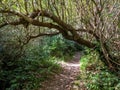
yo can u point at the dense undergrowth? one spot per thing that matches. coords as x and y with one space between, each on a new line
96 75
26 68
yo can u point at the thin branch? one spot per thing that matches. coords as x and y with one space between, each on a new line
4 24
11 23
39 35
45 34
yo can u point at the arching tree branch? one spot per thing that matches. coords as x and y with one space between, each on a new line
61 26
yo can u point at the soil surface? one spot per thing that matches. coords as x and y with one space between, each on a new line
64 80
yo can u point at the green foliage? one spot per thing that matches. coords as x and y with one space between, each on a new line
91 58
96 75
84 62
59 47
26 68
28 71
102 80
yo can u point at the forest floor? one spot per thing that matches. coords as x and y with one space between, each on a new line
66 78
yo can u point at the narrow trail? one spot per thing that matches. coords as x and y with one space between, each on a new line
64 80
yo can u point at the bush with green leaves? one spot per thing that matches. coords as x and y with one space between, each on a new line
96 75
59 47
103 80
24 68
26 72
